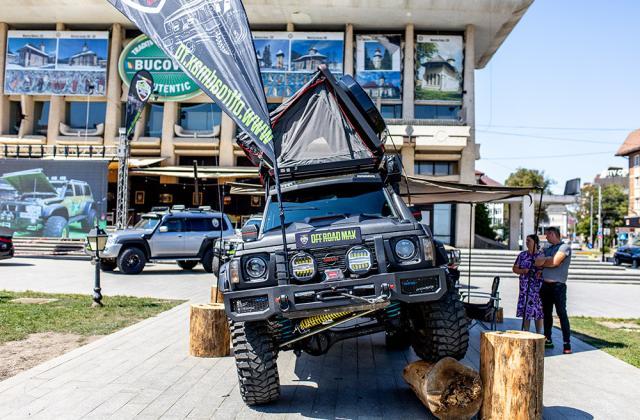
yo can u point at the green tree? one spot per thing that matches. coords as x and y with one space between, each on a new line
524 177
614 207
483 222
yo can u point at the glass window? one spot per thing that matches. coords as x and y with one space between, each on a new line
391 110
442 222
200 117
153 126
205 224
41 112
636 160
435 168
77 189
77 116
86 190
69 191
174 225
15 117
437 112
202 160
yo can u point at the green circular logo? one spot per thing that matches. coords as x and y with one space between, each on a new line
171 83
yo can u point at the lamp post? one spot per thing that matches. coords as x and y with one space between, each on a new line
97 240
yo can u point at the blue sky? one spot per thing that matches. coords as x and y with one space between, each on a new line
69 47
569 69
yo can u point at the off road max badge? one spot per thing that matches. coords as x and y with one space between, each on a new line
313 239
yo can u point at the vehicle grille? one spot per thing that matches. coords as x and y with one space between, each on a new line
335 257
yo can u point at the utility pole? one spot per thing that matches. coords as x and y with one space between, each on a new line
600 231
591 219
122 199
195 183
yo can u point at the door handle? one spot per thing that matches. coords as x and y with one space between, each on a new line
179 236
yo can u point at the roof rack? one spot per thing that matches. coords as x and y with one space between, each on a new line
178 207
159 209
200 209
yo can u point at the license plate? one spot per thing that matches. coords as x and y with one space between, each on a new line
318 239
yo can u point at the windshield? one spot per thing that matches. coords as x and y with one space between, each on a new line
147 223
324 205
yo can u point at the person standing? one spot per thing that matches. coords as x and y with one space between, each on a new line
529 302
554 288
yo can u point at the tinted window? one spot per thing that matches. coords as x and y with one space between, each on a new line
174 225
86 189
77 189
200 117
77 114
205 224
153 127
437 112
391 111
69 191
42 117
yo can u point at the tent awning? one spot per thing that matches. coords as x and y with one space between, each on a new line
135 163
428 191
240 188
203 172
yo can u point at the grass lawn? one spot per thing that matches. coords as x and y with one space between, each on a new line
73 314
618 337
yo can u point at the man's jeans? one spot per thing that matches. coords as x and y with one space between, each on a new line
555 293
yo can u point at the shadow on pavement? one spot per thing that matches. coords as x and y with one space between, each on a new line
555 412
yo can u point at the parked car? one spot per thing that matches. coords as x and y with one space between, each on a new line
47 205
184 236
628 254
6 246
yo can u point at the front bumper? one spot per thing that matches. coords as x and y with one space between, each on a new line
109 253
424 285
6 253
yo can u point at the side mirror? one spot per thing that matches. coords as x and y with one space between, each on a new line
163 229
249 233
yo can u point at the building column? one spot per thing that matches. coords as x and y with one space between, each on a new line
514 225
57 108
528 216
468 158
114 87
4 99
348 49
290 27
169 119
408 153
227 135
408 73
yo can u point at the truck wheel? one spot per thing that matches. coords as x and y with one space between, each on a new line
55 227
187 265
108 266
90 221
255 354
440 329
131 261
207 260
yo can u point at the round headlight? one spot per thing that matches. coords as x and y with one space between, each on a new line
303 267
359 260
405 249
255 267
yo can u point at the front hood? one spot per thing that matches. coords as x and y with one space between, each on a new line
129 234
368 227
32 180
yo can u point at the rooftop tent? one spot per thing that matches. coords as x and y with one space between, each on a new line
326 126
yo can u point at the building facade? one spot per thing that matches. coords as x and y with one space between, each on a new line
631 150
417 61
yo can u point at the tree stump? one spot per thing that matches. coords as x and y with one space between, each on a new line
209 334
512 372
216 295
449 389
500 315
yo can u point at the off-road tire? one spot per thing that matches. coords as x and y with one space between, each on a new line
89 222
634 263
255 354
108 266
187 265
131 261
439 329
616 261
54 227
207 260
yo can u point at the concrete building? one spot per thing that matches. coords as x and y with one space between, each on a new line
434 138
631 150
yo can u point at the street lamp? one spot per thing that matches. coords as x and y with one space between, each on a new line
97 239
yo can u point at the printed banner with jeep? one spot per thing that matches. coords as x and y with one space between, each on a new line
56 63
210 40
52 198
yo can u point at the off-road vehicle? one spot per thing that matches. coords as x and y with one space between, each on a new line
356 261
185 236
47 205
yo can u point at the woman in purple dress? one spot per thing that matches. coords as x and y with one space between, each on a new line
531 277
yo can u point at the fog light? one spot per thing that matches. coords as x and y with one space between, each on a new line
234 271
359 260
303 267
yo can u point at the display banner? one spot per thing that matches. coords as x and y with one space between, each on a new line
211 42
439 61
140 91
288 60
66 63
170 82
378 65
52 198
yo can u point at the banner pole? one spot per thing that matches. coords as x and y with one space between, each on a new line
282 226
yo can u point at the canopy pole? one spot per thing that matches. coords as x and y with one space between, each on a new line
469 258
282 227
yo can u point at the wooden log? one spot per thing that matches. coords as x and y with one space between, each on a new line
500 315
449 389
209 334
512 372
216 295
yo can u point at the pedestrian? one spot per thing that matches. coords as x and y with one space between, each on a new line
554 288
529 303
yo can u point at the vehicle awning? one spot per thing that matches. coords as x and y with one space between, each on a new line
241 188
135 163
428 191
203 172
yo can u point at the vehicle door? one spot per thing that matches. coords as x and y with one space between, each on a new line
199 227
168 239
624 254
